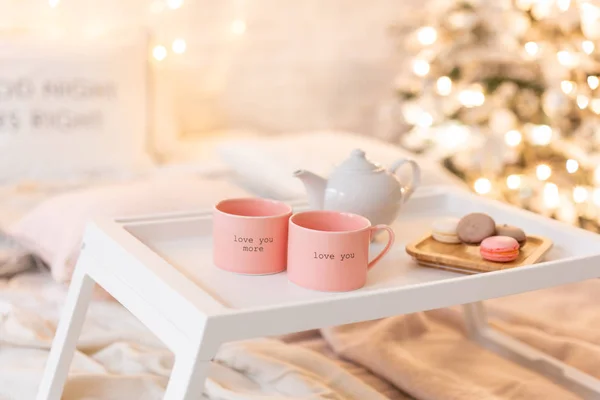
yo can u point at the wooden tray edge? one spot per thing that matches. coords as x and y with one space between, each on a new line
447 268
540 251
411 249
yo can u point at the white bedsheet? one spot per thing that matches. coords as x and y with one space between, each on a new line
118 358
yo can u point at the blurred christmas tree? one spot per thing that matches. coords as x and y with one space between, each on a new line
507 94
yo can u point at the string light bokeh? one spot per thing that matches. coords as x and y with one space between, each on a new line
522 78
167 23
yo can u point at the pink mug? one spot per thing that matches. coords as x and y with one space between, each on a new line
329 250
250 235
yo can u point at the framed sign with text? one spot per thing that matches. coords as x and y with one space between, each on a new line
69 109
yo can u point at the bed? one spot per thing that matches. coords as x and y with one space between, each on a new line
418 356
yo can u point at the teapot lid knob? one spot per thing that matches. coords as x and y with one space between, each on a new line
359 163
358 153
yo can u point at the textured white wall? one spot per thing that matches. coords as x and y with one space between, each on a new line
301 64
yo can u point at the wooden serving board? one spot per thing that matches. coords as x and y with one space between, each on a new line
466 258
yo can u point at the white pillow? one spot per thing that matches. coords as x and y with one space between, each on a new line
73 107
268 162
53 230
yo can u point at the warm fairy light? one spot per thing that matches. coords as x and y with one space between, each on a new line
454 137
541 135
513 181
482 186
238 27
411 112
565 58
551 195
580 194
595 105
542 9
179 46
532 48
563 5
513 138
588 46
582 101
589 14
53 3
593 82
424 120
572 166
174 4
444 85
524 5
471 97
415 115
543 172
427 35
567 86
159 52
596 196
421 67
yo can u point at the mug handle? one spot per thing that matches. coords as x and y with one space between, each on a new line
416 176
388 246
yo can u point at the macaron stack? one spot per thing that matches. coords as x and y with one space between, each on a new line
498 243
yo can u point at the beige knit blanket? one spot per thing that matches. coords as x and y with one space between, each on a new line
419 356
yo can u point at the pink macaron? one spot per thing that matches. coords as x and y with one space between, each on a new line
499 249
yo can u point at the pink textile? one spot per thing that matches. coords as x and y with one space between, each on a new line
53 230
427 356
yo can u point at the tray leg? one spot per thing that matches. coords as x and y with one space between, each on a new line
187 378
571 378
67 333
475 319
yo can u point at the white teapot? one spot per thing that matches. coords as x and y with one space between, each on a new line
361 187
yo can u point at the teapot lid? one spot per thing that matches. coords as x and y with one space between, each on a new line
358 162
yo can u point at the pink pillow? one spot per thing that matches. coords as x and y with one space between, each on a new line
53 230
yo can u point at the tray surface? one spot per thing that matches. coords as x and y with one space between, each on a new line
430 252
187 245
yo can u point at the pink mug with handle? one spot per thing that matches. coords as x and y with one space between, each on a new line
329 250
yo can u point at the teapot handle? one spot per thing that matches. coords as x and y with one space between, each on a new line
415 178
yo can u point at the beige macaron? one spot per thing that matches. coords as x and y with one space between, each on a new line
444 230
511 231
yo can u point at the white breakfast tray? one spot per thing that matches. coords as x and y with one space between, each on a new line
160 268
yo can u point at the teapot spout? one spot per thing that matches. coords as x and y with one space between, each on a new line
315 188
